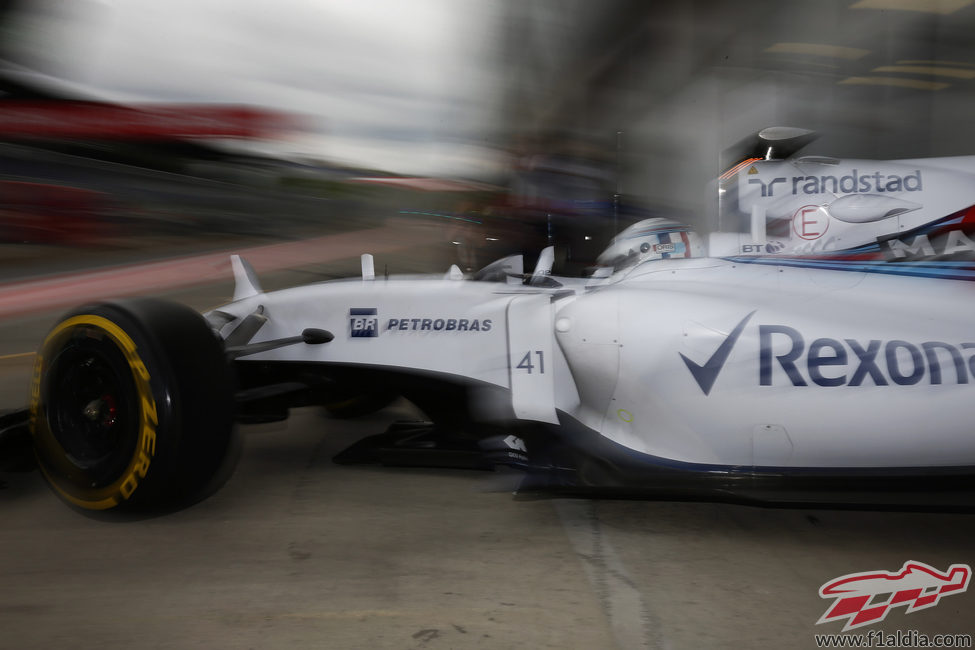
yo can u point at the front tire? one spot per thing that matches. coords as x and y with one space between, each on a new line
132 406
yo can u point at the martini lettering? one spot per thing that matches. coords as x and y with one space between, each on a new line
953 244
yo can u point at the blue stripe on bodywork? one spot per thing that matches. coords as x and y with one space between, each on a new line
941 270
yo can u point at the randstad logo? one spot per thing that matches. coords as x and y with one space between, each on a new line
852 183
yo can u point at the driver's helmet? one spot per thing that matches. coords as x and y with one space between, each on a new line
651 239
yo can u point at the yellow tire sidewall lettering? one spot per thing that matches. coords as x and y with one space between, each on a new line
97 498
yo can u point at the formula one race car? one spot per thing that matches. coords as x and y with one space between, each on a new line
824 355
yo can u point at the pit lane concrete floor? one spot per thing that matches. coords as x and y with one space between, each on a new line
297 552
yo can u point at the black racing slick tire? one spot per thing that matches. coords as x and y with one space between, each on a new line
132 406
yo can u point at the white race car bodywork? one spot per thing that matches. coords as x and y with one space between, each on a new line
832 339
822 351
689 361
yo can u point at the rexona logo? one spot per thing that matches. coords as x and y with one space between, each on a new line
866 598
706 374
853 183
785 357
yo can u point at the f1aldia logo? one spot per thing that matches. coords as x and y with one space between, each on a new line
866 598
785 357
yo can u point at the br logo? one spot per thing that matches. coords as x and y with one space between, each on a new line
363 322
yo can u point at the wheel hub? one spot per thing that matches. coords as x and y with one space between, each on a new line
101 410
94 410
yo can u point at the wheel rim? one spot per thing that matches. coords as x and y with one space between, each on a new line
92 406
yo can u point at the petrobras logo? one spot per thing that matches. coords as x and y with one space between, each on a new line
866 598
435 324
363 322
855 182
785 358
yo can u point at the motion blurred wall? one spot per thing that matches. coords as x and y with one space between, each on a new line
681 81
619 97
